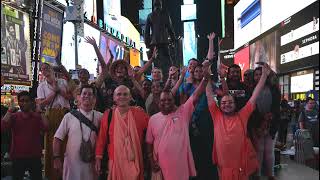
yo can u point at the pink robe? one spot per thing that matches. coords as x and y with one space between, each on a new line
170 136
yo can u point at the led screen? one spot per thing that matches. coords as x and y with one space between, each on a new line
90 9
241 58
111 7
245 28
15 46
67 50
189 42
302 83
265 50
188 12
87 57
143 14
117 48
271 13
299 41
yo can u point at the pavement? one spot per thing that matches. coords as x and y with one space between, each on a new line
290 170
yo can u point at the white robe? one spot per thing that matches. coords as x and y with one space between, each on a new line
73 167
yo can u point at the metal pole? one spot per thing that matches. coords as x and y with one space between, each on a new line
36 35
76 43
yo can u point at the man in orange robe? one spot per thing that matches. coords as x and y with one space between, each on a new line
126 137
233 152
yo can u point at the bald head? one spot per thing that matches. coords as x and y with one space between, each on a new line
122 88
122 96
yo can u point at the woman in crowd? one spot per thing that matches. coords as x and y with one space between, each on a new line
266 122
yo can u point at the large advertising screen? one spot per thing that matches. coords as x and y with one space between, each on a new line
189 42
265 50
188 12
51 35
246 22
301 83
15 46
241 58
299 40
117 48
254 17
134 57
87 57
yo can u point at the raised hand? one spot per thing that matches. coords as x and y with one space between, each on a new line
184 71
223 70
211 36
131 73
90 40
266 70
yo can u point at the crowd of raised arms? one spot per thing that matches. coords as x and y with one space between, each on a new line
124 126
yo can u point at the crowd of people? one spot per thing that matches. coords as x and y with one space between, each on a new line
124 126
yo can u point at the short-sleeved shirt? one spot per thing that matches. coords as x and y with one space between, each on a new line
174 152
26 131
141 119
74 167
229 134
45 89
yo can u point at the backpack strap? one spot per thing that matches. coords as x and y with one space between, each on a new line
85 120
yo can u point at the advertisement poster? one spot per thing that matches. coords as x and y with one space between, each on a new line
299 40
265 50
117 49
51 35
241 58
15 46
134 57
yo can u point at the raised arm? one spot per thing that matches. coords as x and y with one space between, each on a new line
200 89
93 42
136 85
211 53
223 74
181 78
148 64
104 66
265 72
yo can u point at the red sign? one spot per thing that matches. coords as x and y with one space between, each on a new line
242 59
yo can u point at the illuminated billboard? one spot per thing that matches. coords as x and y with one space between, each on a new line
254 17
15 46
51 35
241 58
188 12
87 57
265 50
301 83
299 41
189 42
